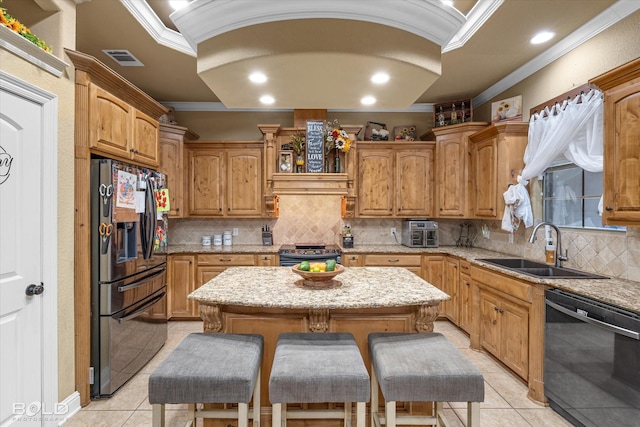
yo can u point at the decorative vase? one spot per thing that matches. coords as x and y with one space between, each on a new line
299 164
337 162
327 164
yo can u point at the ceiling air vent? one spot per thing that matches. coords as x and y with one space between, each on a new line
123 57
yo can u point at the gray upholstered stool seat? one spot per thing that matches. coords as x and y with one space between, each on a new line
318 367
421 368
210 368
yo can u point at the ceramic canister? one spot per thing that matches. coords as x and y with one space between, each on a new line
206 240
217 240
227 238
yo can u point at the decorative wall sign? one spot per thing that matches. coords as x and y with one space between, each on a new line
509 109
315 147
5 165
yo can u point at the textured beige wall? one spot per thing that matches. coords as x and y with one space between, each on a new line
613 47
59 32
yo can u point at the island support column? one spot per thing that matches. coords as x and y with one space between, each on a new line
425 316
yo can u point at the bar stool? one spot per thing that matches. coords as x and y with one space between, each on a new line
315 368
421 368
210 368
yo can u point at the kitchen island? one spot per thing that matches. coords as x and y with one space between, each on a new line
279 288
267 301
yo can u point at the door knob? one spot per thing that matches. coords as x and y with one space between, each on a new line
34 289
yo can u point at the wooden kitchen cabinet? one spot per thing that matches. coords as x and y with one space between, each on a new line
412 263
186 273
224 180
503 321
451 283
496 161
121 131
452 186
181 272
395 180
505 331
352 260
171 145
621 88
464 296
434 272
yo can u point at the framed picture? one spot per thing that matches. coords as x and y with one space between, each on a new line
285 161
509 109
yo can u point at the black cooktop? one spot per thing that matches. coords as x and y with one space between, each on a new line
309 249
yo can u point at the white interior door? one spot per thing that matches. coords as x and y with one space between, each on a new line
21 261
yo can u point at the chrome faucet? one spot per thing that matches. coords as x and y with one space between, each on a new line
559 256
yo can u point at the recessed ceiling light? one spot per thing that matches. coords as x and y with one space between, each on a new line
542 37
267 99
368 100
380 78
178 4
258 77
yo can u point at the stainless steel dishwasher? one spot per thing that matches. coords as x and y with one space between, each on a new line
591 361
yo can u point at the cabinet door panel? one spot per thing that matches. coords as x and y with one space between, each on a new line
464 300
181 284
484 177
205 179
514 339
489 336
451 176
414 182
145 139
451 288
110 122
171 165
244 183
375 183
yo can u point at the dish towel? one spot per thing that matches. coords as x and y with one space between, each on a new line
517 207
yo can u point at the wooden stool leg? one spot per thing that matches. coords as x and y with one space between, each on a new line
243 415
276 415
360 414
347 414
157 415
374 397
473 414
390 414
437 412
256 401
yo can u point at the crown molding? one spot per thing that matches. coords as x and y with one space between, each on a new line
25 49
476 18
604 20
220 107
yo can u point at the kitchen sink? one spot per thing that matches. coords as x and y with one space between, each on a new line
540 269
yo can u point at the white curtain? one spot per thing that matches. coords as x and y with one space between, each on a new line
572 130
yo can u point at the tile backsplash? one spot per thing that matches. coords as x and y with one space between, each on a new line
316 218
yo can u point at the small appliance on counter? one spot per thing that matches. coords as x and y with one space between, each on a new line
347 237
420 233
267 236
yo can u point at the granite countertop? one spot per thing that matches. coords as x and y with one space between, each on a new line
232 249
619 292
362 287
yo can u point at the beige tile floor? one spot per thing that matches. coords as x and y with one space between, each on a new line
506 403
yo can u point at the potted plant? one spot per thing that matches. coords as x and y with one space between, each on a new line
297 145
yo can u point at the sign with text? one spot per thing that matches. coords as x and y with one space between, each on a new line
315 147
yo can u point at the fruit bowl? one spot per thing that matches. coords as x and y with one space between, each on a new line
318 280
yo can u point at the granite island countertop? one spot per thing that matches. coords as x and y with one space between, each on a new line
275 287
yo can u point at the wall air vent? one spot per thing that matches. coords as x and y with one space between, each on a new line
123 57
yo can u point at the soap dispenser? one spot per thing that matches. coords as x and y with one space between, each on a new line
550 248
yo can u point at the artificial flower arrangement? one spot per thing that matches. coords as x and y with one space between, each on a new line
14 25
334 137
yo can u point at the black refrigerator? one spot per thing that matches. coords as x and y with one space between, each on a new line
128 272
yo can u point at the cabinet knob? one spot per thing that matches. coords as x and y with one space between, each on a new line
608 208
